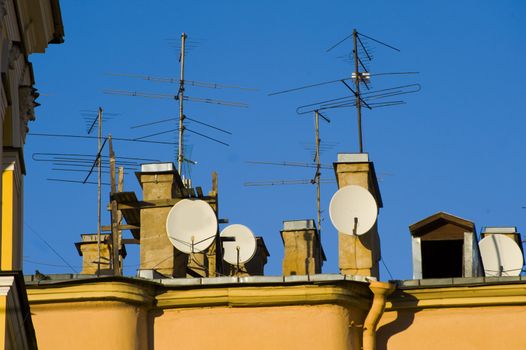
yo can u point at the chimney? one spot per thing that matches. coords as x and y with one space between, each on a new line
87 248
508 231
253 267
358 255
303 251
161 184
256 266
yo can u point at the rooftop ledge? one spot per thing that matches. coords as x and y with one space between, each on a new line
457 281
32 280
257 291
252 291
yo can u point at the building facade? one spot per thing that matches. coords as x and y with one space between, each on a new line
26 27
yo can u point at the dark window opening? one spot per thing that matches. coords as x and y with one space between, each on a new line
441 259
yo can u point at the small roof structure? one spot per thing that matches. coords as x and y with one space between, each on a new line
441 226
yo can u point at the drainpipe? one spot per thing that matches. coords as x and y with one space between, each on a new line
380 290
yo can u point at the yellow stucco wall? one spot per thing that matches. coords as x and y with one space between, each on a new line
3 317
288 327
133 314
454 328
90 325
485 316
123 313
7 251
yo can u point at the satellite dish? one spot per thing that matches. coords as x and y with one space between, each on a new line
353 210
191 225
242 248
501 256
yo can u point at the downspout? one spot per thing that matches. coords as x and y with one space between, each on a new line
380 290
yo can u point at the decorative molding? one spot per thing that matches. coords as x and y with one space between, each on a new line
355 295
3 103
26 104
11 161
3 10
132 293
466 296
349 294
6 284
14 53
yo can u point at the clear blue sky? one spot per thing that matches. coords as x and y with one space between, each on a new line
457 146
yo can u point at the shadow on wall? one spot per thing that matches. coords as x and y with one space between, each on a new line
151 323
405 307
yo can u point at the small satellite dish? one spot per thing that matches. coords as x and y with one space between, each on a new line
501 256
191 225
242 248
353 210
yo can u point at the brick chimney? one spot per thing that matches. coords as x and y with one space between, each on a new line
87 248
303 251
358 255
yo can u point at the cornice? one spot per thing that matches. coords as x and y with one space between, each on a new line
101 290
348 294
461 296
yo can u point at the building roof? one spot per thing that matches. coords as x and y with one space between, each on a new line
432 222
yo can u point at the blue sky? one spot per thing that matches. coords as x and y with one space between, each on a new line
456 146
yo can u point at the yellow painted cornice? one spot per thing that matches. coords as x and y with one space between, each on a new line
132 293
442 297
351 294
348 294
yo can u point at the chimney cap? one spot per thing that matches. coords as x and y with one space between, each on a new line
91 238
353 157
157 167
294 225
499 229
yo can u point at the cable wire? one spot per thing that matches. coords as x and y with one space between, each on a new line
50 247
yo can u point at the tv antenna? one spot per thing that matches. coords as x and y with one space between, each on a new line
181 97
361 75
88 164
316 180
187 156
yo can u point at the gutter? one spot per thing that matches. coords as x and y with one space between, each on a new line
381 291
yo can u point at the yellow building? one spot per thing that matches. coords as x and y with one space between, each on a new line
451 308
26 27
181 301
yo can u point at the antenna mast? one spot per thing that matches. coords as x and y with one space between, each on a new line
357 93
99 181
318 167
180 156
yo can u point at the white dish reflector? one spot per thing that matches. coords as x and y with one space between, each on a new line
191 225
353 210
243 248
501 256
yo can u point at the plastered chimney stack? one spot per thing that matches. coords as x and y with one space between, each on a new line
161 184
358 255
303 250
87 248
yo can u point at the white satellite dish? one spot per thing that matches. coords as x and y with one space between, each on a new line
191 225
501 256
353 210
242 248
